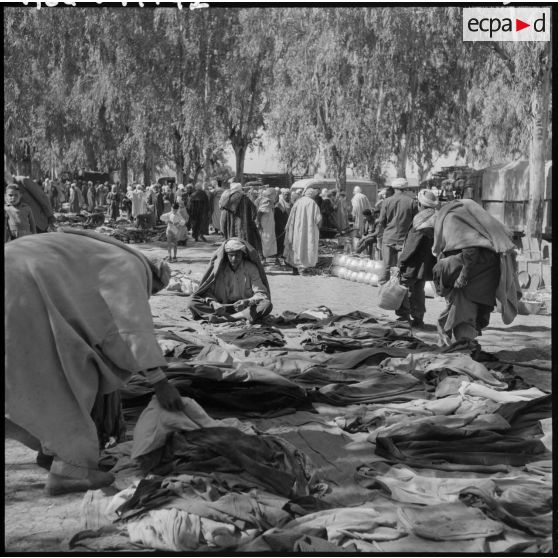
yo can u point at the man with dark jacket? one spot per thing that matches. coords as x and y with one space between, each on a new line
416 260
396 217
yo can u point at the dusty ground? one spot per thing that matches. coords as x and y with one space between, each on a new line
37 523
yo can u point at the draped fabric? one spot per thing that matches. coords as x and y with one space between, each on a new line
215 209
359 203
266 217
281 215
302 234
139 203
219 260
72 335
238 218
328 215
464 224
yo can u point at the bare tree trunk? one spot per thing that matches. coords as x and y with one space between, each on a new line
402 157
180 171
124 173
537 179
341 177
240 155
146 174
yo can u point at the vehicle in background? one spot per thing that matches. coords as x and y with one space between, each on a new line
93 176
166 179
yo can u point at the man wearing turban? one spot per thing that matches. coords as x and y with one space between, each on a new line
416 260
396 217
234 286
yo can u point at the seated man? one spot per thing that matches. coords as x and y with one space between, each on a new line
234 286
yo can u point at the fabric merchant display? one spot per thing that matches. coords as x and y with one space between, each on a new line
368 440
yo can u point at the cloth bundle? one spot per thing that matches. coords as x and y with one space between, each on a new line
252 337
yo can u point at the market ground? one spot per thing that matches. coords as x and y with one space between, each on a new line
37 523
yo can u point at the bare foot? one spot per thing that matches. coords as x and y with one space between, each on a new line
57 484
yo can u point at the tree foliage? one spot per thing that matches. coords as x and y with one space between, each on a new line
361 87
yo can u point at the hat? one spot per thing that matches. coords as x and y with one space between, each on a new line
399 184
427 198
234 245
236 186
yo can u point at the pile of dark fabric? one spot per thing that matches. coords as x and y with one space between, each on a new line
359 334
250 391
252 336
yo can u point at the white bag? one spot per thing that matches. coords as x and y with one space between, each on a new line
392 293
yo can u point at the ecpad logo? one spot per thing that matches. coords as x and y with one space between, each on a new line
506 24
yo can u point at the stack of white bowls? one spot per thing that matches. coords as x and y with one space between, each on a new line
359 270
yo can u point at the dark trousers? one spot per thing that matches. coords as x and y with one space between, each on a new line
413 303
389 257
201 310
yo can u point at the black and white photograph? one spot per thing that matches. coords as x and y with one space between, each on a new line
278 278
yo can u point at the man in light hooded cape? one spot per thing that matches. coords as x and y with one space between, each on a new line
302 234
359 203
266 221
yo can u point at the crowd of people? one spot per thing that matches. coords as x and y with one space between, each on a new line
466 251
284 226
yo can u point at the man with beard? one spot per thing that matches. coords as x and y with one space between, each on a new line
234 286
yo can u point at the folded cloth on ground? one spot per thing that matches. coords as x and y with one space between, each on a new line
248 388
380 388
472 422
366 418
156 423
363 357
413 544
461 364
318 314
407 485
338 526
319 341
479 390
534 522
175 530
319 375
266 462
429 445
448 522
525 416
251 337
174 345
